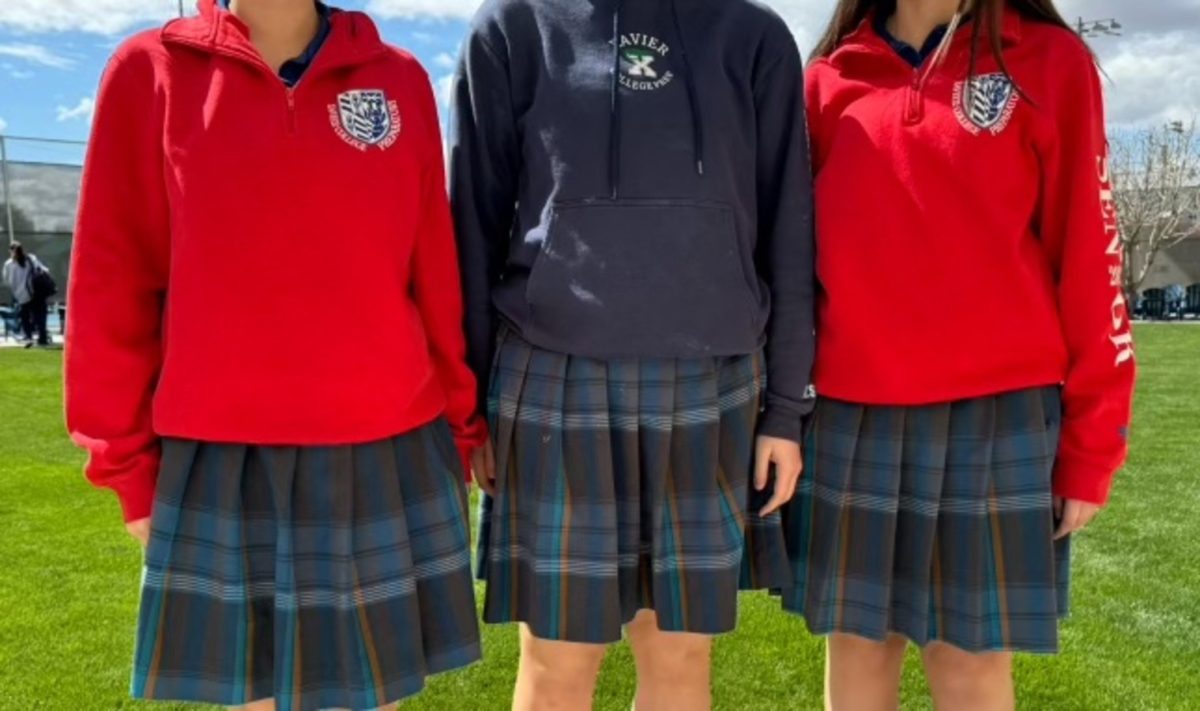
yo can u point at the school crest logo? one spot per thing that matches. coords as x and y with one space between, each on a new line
644 64
365 118
986 104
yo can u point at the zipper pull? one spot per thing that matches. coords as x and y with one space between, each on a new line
291 105
914 104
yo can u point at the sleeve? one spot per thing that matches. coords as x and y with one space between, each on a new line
118 282
437 292
785 249
813 102
1081 235
484 171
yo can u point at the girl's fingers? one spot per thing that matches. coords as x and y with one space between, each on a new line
140 530
1087 513
483 468
1067 524
489 458
762 467
786 479
1075 516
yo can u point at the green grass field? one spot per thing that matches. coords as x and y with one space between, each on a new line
69 577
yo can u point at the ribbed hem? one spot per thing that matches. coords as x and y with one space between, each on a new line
136 494
780 424
466 445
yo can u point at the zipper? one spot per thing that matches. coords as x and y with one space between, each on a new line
291 105
914 104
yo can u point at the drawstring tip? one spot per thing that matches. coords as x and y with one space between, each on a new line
699 167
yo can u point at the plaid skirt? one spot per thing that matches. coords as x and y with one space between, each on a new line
322 577
932 522
623 485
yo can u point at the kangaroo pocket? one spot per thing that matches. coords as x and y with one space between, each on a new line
644 278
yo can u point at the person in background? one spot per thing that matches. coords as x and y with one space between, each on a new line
18 276
631 190
302 500
959 150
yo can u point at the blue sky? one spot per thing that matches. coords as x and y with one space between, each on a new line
48 78
52 53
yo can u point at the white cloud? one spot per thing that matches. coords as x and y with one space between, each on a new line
11 70
82 110
35 54
441 9
444 89
1153 78
445 60
3 125
100 16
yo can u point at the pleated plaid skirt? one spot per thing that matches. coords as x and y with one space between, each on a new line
623 485
322 577
932 522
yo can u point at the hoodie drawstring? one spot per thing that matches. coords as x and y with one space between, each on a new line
614 110
614 115
693 100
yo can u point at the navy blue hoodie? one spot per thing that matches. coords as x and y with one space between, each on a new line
631 179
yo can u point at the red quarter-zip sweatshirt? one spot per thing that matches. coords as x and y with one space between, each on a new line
967 235
258 264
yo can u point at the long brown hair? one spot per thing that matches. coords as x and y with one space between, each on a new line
849 14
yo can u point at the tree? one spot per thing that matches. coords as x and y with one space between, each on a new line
1156 177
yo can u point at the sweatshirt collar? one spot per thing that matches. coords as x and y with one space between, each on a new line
352 37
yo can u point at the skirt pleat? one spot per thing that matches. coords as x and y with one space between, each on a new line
622 485
932 522
321 577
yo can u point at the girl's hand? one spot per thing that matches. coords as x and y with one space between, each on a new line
785 455
483 467
140 530
1072 515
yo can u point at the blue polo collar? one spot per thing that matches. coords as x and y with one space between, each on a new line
293 70
914 56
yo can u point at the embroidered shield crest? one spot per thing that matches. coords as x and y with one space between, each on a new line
365 117
988 103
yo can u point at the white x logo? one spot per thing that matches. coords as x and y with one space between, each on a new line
641 66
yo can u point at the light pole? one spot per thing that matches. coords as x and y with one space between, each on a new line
1108 27
181 8
8 207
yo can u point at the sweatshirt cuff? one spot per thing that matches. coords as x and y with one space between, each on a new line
467 444
780 424
464 461
136 494
1082 481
